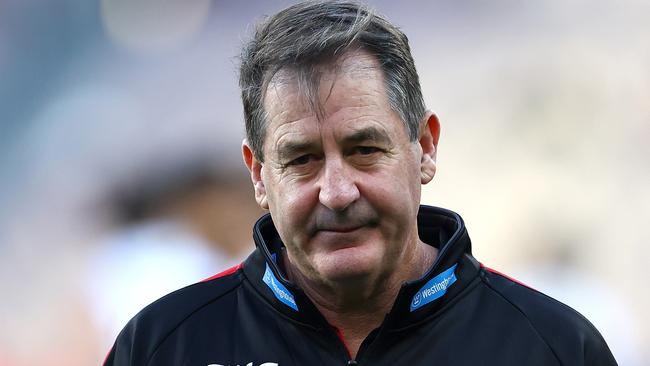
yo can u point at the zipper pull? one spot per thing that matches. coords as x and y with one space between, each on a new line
352 363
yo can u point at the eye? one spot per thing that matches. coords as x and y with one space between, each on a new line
302 160
366 150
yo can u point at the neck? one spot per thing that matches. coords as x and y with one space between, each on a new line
357 307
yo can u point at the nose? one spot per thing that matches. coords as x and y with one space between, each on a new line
337 187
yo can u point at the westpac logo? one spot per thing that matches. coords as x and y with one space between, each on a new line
278 289
434 289
248 364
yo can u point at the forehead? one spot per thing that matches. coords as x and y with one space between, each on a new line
351 89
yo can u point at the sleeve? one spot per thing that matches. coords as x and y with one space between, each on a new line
142 341
596 351
126 351
573 339
570 336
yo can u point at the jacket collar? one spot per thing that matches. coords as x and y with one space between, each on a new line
452 272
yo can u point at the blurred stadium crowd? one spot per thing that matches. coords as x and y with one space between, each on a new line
121 178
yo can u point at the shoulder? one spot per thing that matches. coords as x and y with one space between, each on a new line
152 325
570 336
172 309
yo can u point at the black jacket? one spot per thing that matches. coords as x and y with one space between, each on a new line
459 313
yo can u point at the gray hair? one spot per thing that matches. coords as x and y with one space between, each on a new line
306 35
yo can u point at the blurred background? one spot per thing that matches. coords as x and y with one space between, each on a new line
121 177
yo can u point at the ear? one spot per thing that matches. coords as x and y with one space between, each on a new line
429 136
255 168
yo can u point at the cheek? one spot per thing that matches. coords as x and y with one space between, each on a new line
290 204
410 181
398 186
289 194
395 195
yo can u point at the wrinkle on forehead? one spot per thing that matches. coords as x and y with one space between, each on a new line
293 133
314 84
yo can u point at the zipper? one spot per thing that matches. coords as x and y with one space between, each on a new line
344 346
365 346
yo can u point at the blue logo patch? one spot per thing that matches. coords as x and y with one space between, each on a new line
434 289
278 289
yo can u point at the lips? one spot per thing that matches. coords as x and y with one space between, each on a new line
341 226
340 229
358 216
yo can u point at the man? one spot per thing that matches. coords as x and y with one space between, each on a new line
349 268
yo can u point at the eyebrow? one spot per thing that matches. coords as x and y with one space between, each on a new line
368 134
293 148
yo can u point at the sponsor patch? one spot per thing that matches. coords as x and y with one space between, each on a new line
434 289
278 289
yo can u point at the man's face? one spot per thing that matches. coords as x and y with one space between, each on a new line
343 190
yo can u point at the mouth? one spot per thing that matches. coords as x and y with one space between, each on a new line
340 230
331 223
338 237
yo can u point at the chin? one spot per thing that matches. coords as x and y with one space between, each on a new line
354 263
